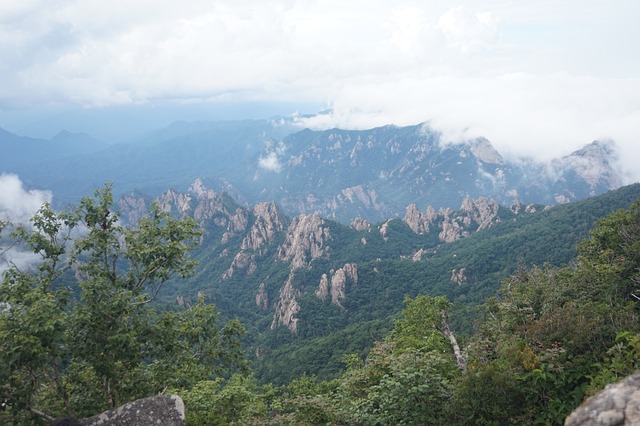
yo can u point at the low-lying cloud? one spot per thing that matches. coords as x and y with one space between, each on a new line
17 204
270 162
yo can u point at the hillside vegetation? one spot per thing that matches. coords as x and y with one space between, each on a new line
544 314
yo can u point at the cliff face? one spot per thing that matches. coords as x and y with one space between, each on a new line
287 306
306 239
268 221
474 215
336 287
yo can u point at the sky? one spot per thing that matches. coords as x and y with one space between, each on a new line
537 78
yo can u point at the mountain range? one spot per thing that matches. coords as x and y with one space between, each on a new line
314 238
338 174
299 279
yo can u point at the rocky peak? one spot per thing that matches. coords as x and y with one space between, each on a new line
172 201
241 261
479 214
336 287
287 306
594 164
236 224
306 239
516 207
133 207
451 229
481 211
482 149
418 222
360 224
268 222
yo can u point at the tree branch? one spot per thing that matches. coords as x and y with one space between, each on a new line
461 358
40 414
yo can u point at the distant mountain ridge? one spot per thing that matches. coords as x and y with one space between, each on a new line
338 174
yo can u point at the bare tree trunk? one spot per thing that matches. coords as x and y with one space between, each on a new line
461 358
41 414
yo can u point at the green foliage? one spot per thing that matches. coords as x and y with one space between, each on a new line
621 360
219 402
79 333
419 326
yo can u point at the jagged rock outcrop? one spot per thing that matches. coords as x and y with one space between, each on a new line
339 282
475 214
241 261
458 276
323 288
417 256
133 207
418 222
336 287
306 239
481 211
360 224
287 306
616 405
517 207
451 229
361 196
162 410
268 222
237 225
384 230
262 300
172 201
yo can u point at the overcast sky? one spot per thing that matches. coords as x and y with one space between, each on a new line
539 77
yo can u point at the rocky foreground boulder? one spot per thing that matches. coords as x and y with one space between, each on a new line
162 410
616 405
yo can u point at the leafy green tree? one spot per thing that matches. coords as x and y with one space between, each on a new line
408 377
79 333
561 333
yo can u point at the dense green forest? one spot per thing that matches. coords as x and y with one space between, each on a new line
542 326
387 274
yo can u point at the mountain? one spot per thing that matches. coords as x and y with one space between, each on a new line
375 173
20 151
337 174
296 281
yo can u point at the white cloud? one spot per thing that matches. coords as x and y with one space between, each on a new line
537 78
467 30
18 205
270 162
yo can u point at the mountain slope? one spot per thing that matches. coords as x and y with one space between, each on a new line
294 280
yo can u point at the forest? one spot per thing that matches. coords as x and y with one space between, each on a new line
84 331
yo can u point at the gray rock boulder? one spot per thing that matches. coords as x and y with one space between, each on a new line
616 405
158 410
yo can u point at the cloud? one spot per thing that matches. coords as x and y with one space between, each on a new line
468 31
536 78
18 205
270 162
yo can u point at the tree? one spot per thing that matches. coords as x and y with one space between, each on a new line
79 333
408 377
